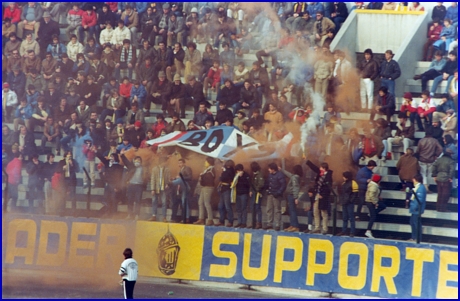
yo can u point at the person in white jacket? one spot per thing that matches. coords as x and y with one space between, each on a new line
106 35
74 47
119 34
9 101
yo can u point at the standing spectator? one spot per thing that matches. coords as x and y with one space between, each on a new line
439 11
176 103
47 29
112 176
369 70
13 170
182 184
292 190
206 183
160 30
274 121
31 15
242 185
116 107
428 150
159 183
323 72
136 178
443 172
90 164
408 167
191 26
323 186
349 198
276 185
158 93
225 194
255 205
373 202
159 125
417 209
363 177
47 173
389 72
68 168
34 184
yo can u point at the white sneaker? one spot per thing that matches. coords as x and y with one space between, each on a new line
369 234
310 227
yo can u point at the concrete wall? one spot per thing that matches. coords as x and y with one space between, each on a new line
411 51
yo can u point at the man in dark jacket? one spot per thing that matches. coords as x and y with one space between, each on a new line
25 141
349 197
46 30
68 168
35 182
404 134
428 150
385 104
112 176
259 79
181 191
369 71
323 186
389 72
248 98
222 114
158 93
194 94
202 115
363 177
407 167
443 172
136 178
276 185
242 186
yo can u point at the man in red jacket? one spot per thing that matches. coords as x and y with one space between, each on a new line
88 24
13 12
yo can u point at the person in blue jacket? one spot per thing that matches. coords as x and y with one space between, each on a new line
363 177
276 185
415 208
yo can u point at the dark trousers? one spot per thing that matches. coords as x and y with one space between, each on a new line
292 211
429 75
373 212
242 208
225 206
261 53
414 117
387 111
407 184
348 215
361 200
414 222
444 193
134 196
128 288
256 207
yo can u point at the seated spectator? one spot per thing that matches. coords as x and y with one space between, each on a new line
40 113
202 115
210 55
135 134
52 97
175 30
118 133
65 66
98 70
138 94
426 108
23 115
449 123
7 29
32 61
73 48
176 124
193 94
238 120
389 6
178 55
56 48
284 107
247 99
26 141
88 24
17 81
159 125
447 36
274 123
164 57
222 114
241 73
146 72
62 112
83 112
116 107
147 21
105 16
452 89
91 49
372 145
224 28
176 100
106 35
126 59
135 114
159 92
131 21
74 19
49 65
227 56
320 29
331 111
447 72
383 131
14 60
119 35
385 104
434 34
9 101
416 6
404 134
192 61
229 94
51 133
191 26
446 104
407 167
339 14
109 58
435 70
149 136
212 80
125 88
31 15
244 42
258 76
12 12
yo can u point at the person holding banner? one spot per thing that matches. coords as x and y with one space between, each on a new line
257 184
225 203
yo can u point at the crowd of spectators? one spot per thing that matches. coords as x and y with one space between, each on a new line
91 88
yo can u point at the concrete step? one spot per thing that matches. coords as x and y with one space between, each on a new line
401 195
416 86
